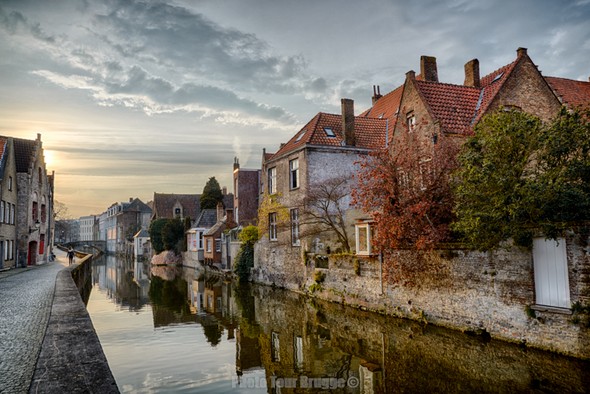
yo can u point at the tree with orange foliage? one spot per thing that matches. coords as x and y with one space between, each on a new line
407 193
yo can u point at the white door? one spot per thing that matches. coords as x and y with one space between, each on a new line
551 274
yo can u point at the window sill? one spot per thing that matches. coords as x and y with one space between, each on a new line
551 309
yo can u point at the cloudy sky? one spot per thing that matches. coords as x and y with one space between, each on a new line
136 97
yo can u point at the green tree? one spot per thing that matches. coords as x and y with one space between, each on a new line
173 235
245 256
155 231
518 177
211 194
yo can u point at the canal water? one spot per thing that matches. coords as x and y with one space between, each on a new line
173 330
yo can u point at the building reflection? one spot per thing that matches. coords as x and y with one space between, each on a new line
306 345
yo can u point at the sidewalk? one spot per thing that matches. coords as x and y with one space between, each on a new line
47 341
26 297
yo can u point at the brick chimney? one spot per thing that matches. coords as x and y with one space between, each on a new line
236 163
472 73
376 94
428 68
521 51
348 121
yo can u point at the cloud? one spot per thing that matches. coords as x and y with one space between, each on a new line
162 59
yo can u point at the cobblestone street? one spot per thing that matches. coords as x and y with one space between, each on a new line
26 296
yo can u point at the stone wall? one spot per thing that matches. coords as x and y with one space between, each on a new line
491 293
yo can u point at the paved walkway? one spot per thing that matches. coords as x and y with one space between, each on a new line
26 297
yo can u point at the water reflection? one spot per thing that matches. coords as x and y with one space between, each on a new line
283 342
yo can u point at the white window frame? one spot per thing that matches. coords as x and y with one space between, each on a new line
218 245
294 174
208 245
358 230
2 205
272 180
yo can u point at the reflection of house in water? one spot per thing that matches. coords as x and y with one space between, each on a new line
297 343
117 278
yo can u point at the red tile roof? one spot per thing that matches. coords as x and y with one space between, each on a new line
453 106
387 107
570 92
369 133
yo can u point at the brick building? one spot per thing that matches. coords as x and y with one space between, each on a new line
509 293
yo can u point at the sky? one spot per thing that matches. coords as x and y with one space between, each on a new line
137 97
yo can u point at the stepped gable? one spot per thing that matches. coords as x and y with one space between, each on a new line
369 133
571 93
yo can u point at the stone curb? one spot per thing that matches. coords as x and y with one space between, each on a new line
71 358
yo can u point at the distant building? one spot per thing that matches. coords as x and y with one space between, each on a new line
87 228
123 221
34 209
169 206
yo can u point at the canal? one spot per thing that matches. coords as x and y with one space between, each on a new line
173 330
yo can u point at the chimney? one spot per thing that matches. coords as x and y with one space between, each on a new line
236 163
224 190
472 73
348 121
219 211
130 199
376 94
428 68
229 218
521 51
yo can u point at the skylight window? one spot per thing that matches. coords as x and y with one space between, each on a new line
300 136
329 132
497 77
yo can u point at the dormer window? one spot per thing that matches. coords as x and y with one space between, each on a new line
300 136
177 212
329 132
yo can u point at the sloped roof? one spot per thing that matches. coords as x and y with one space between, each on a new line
218 226
164 204
387 106
369 133
143 233
138 205
206 219
490 86
454 106
23 153
574 94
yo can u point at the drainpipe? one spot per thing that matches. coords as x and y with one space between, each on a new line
381 271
